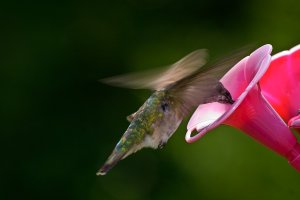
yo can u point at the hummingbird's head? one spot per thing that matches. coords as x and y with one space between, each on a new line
151 126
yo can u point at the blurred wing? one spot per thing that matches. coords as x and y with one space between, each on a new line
160 78
196 88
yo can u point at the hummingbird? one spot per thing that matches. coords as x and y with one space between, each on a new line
178 89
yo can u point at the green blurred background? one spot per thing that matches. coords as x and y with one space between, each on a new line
59 123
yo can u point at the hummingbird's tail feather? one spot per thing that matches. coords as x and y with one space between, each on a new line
113 159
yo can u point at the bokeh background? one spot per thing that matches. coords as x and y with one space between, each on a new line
59 123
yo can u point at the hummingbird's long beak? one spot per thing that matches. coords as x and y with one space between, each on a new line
113 159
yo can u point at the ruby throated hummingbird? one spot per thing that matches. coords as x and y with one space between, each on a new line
177 90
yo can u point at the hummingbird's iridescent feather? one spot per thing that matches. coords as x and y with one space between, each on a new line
152 126
157 79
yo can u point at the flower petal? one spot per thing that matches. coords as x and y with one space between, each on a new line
281 83
238 81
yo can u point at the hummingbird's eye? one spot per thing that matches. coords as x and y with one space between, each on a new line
164 106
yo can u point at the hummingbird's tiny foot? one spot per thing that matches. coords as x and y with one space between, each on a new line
162 144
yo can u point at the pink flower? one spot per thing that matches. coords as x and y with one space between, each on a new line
251 111
281 85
